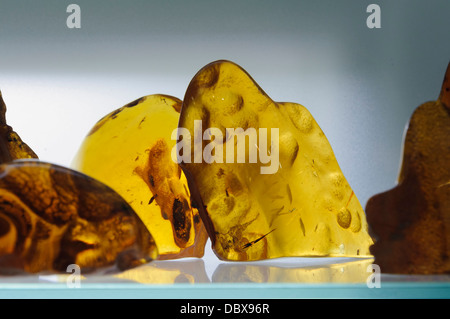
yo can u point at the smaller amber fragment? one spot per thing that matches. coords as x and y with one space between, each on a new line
52 217
412 220
11 145
130 151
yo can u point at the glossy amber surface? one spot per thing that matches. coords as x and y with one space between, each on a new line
412 220
305 208
11 145
52 217
130 151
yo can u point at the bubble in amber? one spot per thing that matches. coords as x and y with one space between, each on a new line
300 205
52 217
412 220
130 151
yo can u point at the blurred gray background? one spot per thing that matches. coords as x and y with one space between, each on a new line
360 84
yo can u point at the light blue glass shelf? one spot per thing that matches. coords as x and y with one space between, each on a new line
390 290
188 279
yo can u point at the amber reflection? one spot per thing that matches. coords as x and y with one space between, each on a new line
167 272
189 271
351 271
192 271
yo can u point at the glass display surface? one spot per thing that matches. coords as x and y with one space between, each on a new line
360 68
281 278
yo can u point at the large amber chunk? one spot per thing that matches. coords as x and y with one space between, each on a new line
412 220
130 151
52 217
11 145
290 199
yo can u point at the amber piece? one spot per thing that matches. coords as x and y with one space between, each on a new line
412 220
130 151
52 217
297 204
11 145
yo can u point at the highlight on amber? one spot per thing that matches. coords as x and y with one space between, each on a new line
306 208
130 150
412 220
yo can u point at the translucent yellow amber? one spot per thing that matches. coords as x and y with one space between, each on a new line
52 217
305 208
130 151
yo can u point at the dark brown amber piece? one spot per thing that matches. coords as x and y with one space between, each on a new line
412 220
51 217
11 145
263 174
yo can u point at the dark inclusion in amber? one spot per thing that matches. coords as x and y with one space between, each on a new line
51 217
130 151
412 220
11 145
